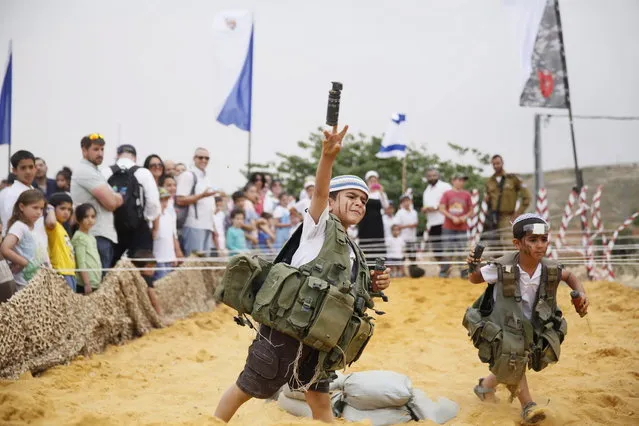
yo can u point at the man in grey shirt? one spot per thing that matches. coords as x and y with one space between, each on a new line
90 186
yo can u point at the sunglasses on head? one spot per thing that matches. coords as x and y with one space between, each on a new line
95 136
202 157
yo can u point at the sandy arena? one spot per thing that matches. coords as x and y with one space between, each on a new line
176 375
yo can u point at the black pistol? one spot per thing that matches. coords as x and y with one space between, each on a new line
380 266
479 250
332 109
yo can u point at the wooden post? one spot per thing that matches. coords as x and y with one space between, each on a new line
404 175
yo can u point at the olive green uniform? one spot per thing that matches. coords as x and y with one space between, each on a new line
513 188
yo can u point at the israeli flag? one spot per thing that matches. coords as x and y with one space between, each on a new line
394 142
234 49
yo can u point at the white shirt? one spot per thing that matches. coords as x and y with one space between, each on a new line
431 198
150 190
407 217
218 220
205 207
527 285
388 221
9 197
302 205
163 245
270 202
395 247
312 240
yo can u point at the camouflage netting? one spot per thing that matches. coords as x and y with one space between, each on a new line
46 324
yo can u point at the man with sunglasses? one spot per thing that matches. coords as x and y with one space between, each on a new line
90 186
194 191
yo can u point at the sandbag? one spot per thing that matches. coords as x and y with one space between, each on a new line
337 384
369 390
293 394
425 409
378 417
294 406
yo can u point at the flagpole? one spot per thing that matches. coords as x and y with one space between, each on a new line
404 175
10 103
251 99
560 34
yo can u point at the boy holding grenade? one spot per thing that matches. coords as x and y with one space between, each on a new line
324 257
516 324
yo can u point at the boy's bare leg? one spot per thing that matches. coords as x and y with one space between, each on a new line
231 400
320 404
524 393
490 381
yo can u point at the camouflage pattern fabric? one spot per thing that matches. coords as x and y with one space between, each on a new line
46 324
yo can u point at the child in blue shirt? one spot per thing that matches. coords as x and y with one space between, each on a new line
235 238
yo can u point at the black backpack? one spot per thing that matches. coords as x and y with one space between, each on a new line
130 215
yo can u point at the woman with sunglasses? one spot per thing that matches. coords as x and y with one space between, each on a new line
155 165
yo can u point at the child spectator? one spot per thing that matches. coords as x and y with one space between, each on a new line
63 180
266 232
144 260
60 246
389 220
282 222
85 247
220 232
166 247
235 239
395 251
455 205
22 246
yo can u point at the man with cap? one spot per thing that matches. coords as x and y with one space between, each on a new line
456 206
304 203
90 186
335 205
140 237
371 228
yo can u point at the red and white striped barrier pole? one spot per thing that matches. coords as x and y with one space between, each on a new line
626 223
565 220
585 235
598 226
473 219
542 210
481 219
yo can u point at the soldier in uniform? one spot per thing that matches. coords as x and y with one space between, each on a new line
502 191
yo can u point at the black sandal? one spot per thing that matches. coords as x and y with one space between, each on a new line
481 391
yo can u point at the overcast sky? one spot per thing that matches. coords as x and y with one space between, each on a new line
88 65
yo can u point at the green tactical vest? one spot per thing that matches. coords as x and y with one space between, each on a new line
317 303
508 341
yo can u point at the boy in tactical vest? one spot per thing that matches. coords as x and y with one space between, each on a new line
273 356
516 323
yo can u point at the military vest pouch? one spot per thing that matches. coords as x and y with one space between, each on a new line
277 296
241 280
352 343
330 319
472 322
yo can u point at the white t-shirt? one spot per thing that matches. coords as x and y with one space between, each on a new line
9 197
280 212
395 247
431 198
312 240
388 221
205 206
30 245
527 285
302 205
150 190
381 196
407 217
163 245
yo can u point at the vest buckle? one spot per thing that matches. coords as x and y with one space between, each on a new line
517 299
512 362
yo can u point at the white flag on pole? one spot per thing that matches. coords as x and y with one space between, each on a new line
394 142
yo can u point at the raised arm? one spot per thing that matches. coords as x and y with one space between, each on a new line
331 146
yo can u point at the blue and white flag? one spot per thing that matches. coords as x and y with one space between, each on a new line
5 105
234 48
394 142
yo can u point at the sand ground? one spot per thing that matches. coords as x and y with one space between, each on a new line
176 375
